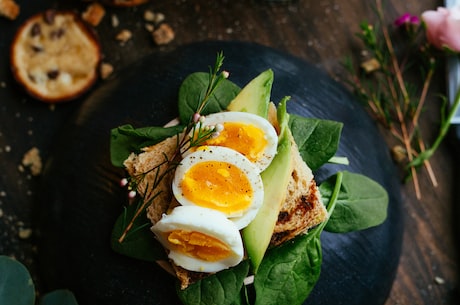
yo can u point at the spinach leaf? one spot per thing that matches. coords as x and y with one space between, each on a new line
289 272
317 139
58 297
127 139
221 288
193 89
362 203
16 285
140 242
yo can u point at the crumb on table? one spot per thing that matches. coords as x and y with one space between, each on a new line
9 9
164 34
93 14
33 160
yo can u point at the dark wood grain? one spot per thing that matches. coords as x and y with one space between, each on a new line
320 32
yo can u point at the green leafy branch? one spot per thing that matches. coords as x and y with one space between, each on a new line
397 59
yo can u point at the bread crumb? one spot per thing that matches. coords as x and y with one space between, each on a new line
24 233
93 14
149 16
159 17
106 70
33 160
439 280
115 21
164 34
123 36
370 65
9 9
149 27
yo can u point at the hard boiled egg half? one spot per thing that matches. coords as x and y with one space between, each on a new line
221 179
200 239
247 133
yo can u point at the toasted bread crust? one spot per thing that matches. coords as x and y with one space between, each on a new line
303 208
154 157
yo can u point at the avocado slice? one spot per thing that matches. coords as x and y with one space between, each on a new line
257 235
255 96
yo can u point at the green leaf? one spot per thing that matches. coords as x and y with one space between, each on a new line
16 285
140 242
362 203
59 297
289 272
317 139
221 288
193 89
127 139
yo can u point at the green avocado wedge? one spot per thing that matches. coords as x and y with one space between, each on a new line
255 96
257 235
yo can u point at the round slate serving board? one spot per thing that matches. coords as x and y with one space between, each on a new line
81 197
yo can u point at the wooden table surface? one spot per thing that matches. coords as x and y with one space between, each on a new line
323 33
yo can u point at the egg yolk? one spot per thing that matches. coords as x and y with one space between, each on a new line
218 185
246 139
198 245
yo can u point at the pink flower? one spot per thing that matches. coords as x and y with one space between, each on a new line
407 19
443 27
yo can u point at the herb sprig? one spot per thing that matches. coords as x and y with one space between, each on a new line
398 59
200 134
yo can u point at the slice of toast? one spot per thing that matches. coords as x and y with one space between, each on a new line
150 168
301 210
55 56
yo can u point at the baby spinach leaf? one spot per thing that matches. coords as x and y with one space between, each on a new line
140 242
16 285
317 139
193 89
223 288
289 272
362 203
59 297
127 139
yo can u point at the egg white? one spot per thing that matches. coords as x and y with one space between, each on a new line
206 221
269 132
223 154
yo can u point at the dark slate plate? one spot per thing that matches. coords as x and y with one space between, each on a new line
81 197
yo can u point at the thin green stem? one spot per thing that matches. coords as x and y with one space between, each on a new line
445 125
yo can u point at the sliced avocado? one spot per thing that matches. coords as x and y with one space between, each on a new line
257 235
255 96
